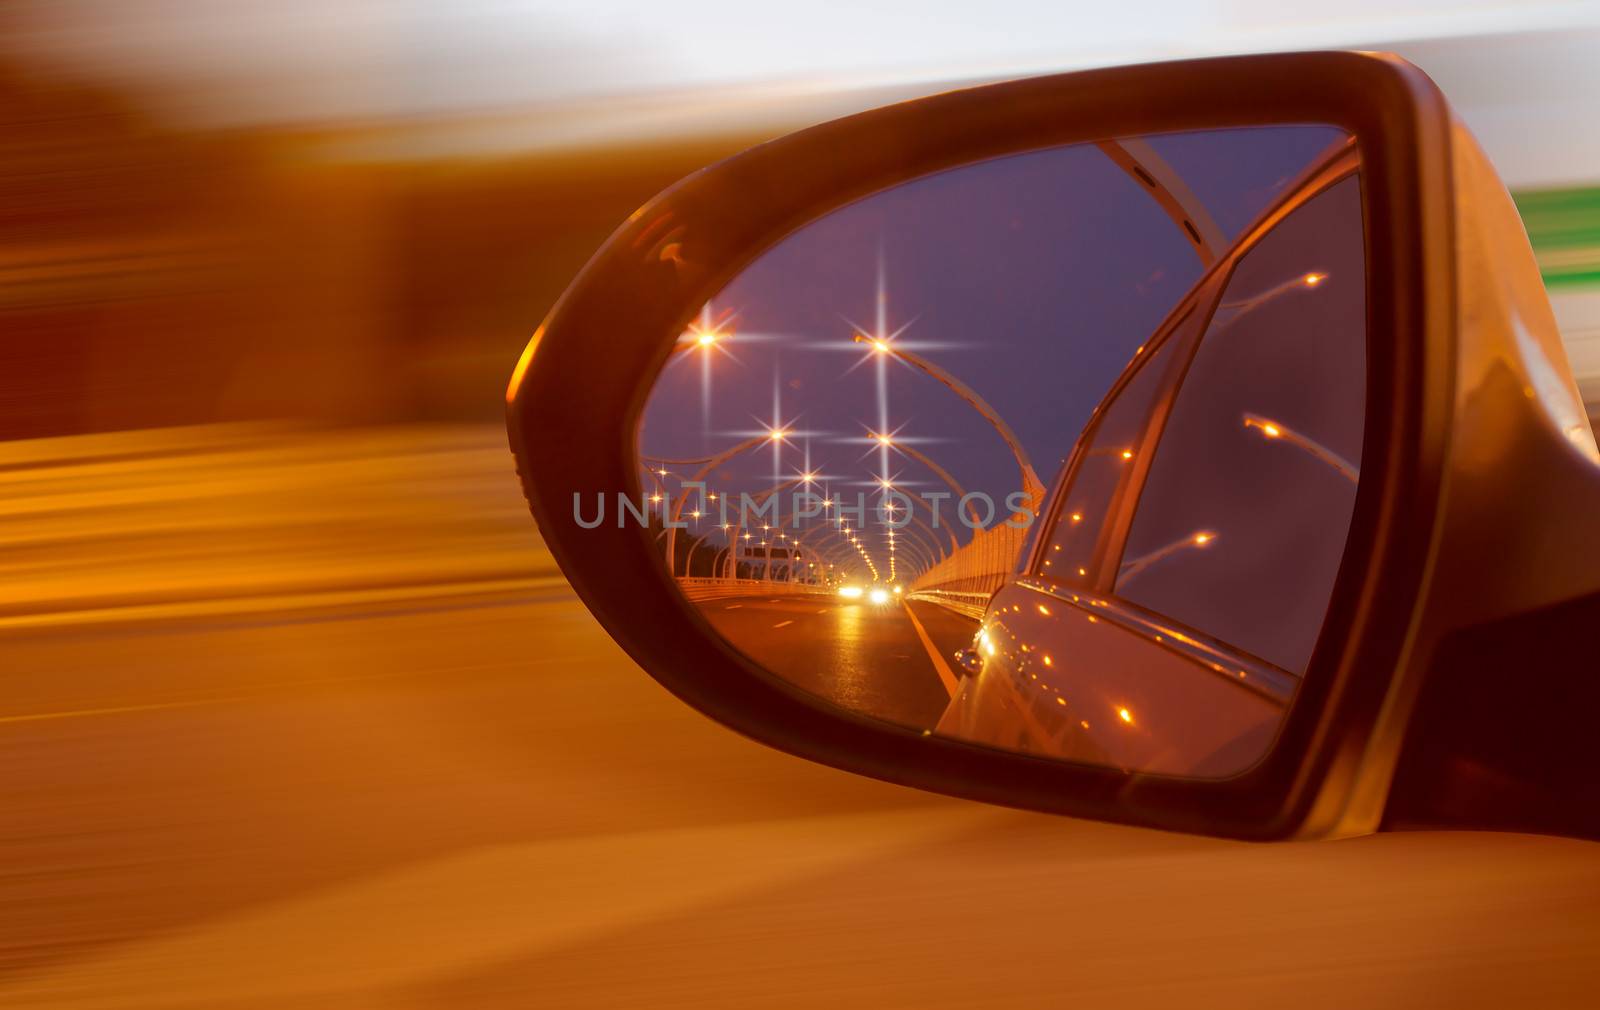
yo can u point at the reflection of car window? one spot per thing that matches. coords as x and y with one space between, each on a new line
1242 522
1105 465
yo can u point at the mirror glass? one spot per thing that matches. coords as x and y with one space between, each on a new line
1055 452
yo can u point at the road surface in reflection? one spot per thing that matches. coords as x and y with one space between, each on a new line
889 660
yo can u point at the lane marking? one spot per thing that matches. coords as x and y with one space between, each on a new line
274 691
824 610
946 675
79 713
781 624
734 606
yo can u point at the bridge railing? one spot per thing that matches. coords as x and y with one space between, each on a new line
966 580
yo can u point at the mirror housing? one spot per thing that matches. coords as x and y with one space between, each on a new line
1468 395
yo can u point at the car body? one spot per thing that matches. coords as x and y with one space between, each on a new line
1066 663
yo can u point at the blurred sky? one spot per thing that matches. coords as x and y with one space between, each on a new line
360 57
233 61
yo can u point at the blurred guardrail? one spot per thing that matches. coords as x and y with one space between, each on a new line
966 580
217 519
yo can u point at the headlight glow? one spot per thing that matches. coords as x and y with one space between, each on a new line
879 596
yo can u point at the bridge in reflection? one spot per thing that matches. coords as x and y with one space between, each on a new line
861 603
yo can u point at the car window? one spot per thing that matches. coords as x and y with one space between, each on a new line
1105 466
1243 519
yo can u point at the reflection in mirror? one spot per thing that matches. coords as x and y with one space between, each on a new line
1055 452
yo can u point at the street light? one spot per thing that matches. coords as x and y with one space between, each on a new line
1031 485
774 435
706 332
904 447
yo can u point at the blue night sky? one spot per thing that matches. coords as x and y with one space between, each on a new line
1033 278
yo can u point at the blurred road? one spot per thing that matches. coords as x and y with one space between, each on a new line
302 718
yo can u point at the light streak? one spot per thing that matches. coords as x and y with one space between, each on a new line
1198 540
1278 432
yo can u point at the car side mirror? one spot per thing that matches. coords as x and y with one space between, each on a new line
1187 445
